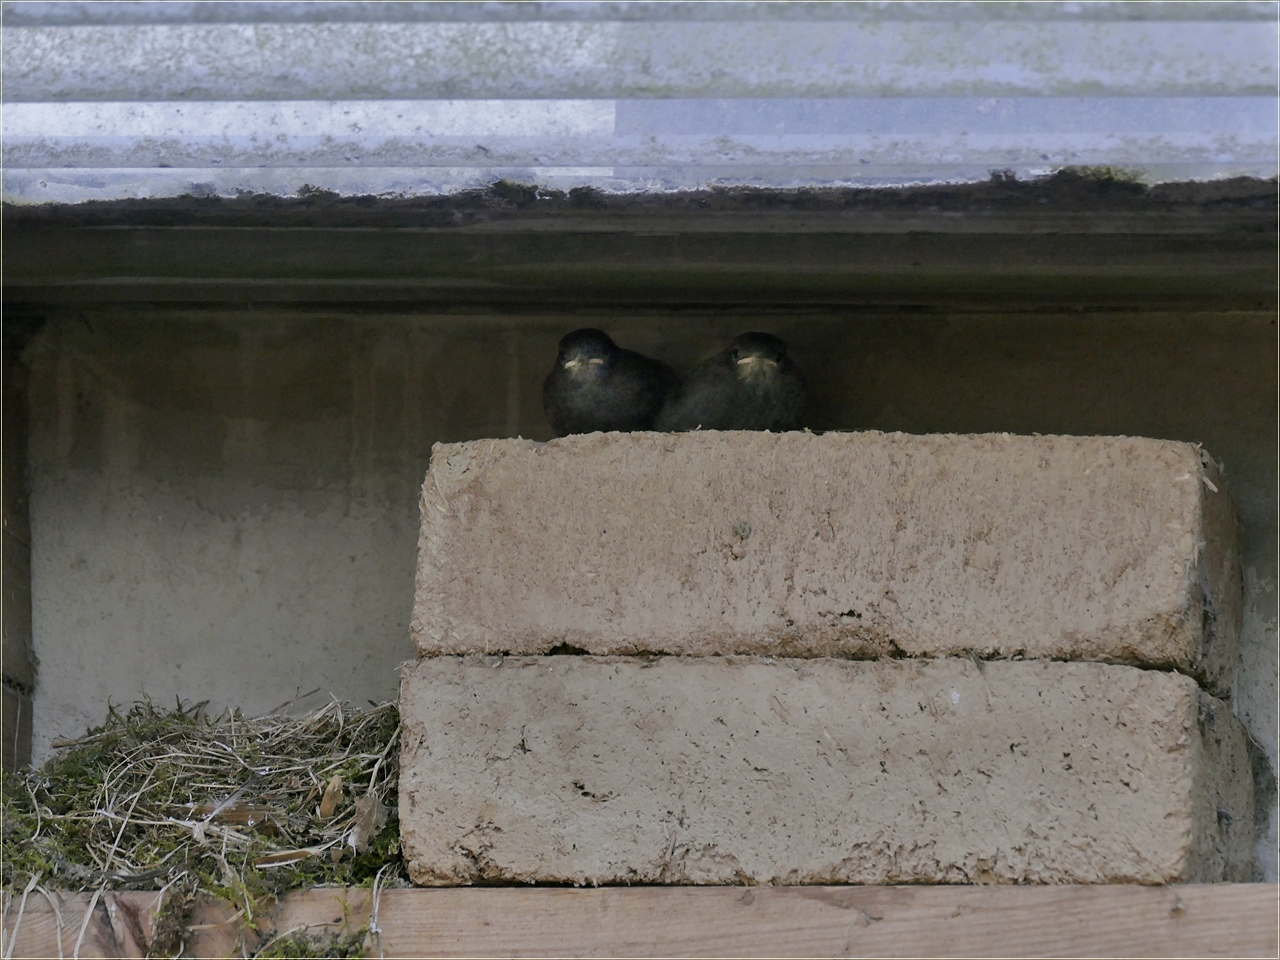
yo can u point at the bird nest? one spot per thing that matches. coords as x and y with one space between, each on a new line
236 808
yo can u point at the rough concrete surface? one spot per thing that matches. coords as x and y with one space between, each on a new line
750 770
844 544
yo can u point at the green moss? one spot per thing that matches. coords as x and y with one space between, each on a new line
519 194
302 945
1106 174
169 926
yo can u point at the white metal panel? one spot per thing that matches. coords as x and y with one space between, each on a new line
613 59
110 100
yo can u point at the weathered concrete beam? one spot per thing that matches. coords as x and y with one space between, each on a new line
587 770
843 544
1078 238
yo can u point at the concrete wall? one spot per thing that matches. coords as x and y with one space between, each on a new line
224 503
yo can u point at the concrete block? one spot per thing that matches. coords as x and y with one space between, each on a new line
710 770
854 545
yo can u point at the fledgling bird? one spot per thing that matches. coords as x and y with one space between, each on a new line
750 385
596 385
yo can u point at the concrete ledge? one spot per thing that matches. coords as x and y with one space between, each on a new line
1077 239
705 770
851 544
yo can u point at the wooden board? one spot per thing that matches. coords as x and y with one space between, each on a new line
946 921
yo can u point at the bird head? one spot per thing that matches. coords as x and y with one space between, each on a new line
756 354
586 353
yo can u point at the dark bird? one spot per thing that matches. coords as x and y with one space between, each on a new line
750 385
596 385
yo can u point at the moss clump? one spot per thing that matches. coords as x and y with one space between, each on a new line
1105 174
242 809
304 945
519 194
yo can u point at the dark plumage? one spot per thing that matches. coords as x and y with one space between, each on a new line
750 385
595 385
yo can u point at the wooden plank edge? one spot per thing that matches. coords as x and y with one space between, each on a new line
1239 920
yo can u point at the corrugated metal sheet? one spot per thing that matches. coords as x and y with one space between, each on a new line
158 99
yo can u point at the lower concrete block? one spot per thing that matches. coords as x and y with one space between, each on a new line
595 770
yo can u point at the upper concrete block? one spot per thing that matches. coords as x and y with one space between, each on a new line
842 544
